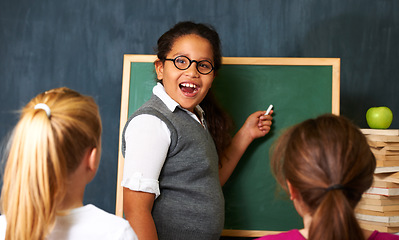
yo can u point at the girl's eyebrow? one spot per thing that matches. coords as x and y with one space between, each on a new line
200 59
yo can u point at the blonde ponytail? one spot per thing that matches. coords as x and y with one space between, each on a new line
44 150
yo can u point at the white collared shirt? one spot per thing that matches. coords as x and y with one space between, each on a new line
147 143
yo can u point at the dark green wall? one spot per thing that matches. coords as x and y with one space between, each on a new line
80 44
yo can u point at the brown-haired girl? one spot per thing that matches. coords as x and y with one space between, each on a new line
326 165
54 152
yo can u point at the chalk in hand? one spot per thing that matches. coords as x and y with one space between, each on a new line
269 109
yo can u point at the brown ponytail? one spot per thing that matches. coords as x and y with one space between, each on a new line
318 155
337 218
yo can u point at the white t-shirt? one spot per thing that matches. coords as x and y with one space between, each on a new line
147 143
87 222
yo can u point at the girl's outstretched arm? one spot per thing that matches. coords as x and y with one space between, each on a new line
257 125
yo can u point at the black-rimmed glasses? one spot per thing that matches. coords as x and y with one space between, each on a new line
182 62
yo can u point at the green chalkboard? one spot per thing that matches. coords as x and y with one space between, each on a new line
299 88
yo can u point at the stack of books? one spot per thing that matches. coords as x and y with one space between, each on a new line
379 206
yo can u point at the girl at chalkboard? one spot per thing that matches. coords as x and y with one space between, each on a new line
325 164
177 155
53 153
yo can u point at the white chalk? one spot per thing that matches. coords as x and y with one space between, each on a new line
269 109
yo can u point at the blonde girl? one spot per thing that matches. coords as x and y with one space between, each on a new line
54 152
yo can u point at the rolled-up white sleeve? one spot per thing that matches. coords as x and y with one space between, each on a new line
147 143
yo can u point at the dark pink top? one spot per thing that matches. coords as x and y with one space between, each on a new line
294 234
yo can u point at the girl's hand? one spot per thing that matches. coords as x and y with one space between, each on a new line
257 124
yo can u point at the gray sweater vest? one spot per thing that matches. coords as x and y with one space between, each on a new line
191 204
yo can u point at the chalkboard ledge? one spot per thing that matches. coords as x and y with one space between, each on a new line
246 233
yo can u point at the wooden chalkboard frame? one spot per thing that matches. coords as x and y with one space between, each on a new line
132 58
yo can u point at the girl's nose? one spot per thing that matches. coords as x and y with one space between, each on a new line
192 70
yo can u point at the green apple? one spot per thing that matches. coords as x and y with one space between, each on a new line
379 117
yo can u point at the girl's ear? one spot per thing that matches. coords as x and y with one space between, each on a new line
159 69
296 198
294 194
93 160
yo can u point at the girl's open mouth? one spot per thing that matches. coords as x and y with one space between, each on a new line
188 89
